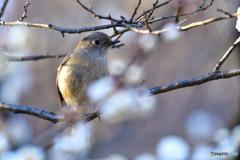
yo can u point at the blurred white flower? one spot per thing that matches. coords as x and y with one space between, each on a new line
148 42
236 134
18 82
221 134
4 144
18 40
119 106
117 66
201 152
125 104
238 20
145 156
28 152
227 145
4 64
100 89
173 148
145 104
116 157
134 75
119 103
18 130
172 34
200 125
68 147
11 155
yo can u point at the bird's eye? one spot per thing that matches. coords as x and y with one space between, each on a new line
96 42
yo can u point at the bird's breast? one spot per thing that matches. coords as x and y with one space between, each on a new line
74 79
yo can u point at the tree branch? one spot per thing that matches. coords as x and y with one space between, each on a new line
3 8
193 82
67 30
31 111
182 28
49 116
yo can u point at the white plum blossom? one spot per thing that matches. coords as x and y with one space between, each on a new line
145 156
201 151
236 134
221 134
125 104
238 20
119 106
100 89
146 104
134 75
20 80
173 148
116 157
11 155
201 125
172 34
117 66
4 64
4 143
68 147
119 103
28 152
148 42
18 130
19 39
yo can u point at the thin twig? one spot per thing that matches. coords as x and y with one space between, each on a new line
120 32
3 8
115 31
140 85
135 11
139 18
101 16
119 36
25 11
146 21
220 10
178 11
186 27
200 8
154 7
118 45
35 57
226 55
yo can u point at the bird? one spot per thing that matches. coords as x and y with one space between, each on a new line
85 65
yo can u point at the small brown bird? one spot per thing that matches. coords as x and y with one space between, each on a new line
86 64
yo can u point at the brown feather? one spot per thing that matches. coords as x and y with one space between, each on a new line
60 97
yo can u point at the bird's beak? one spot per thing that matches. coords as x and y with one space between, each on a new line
113 42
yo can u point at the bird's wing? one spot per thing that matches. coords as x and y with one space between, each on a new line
60 97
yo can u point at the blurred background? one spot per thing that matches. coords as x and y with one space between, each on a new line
186 123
